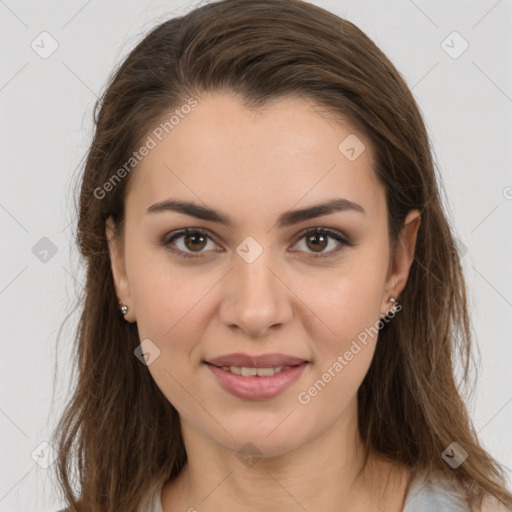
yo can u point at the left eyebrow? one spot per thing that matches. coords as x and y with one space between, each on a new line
288 218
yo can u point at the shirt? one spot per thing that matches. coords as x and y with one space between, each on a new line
432 496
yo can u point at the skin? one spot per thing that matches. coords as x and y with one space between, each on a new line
255 166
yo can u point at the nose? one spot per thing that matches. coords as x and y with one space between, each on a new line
256 297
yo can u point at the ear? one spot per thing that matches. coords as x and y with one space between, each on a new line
402 259
121 283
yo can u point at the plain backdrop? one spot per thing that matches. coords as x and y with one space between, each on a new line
462 82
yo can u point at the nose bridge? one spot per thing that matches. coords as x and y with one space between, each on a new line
255 275
257 299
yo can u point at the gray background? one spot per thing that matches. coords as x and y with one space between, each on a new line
46 111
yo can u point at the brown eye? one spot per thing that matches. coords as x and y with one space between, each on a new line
317 240
187 242
194 242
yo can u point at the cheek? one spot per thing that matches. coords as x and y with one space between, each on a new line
350 300
165 295
350 314
343 358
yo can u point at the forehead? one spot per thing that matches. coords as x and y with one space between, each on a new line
289 151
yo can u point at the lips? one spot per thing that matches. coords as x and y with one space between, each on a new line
257 387
261 361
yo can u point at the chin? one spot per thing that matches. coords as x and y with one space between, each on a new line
263 440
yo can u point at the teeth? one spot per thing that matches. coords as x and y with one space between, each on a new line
265 372
251 372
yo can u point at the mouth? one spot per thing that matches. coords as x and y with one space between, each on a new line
250 371
261 383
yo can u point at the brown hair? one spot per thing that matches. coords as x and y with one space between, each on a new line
119 437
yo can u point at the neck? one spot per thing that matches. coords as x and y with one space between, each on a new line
327 473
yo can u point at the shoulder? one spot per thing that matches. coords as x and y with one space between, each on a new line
427 494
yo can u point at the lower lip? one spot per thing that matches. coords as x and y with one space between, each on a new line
257 388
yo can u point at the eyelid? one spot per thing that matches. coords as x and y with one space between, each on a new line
330 232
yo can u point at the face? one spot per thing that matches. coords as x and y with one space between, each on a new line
268 282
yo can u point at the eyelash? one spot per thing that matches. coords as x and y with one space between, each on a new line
166 242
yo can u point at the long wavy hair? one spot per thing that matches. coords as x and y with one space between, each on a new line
119 438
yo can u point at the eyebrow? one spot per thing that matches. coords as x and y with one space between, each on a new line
288 218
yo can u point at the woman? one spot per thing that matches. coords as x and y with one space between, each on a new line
273 293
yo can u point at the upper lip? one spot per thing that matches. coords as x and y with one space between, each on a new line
262 361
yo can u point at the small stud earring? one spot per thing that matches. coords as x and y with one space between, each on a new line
123 308
393 308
